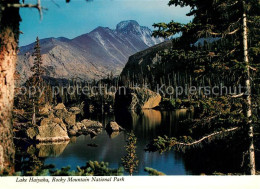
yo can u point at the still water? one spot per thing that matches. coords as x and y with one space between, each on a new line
146 125
220 156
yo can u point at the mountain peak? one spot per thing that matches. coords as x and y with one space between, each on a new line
126 23
90 55
100 29
128 26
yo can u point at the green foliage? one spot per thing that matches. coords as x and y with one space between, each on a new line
130 161
95 168
172 104
178 103
37 68
214 115
64 171
161 144
153 172
167 104
92 168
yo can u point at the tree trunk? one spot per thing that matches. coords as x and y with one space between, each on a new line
9 34
248 99
34 114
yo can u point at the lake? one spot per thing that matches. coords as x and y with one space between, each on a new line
146 124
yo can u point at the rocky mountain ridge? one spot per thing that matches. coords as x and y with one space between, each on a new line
89 56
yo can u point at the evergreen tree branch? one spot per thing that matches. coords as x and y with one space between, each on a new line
238 95
226 33
37 6
206 137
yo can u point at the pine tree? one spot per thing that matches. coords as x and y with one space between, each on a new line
9 37
235 26
37 68
36 80
130 161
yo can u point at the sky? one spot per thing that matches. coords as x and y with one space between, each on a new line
79 17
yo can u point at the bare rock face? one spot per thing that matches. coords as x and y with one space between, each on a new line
89 123
91 55
45 110
52 130
72 132
74 110
137 98
113 126
60 124
85 127
60 111
70 119
60 106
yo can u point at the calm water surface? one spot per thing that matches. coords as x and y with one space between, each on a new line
146 125
222 156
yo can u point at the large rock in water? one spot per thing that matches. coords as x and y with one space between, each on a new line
51 129
89 123
136 98
112 126
85 127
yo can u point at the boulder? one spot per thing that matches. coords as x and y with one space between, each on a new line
60 106
70 119
85 127
52 133
50 120
52 130
74 110
72 132
113 126
92 133
61 113
45 110
89 123
79 126
136 98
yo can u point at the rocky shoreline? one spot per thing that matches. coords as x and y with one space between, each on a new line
58 124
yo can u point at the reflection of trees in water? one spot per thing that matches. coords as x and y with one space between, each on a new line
30 157
151 123
26 160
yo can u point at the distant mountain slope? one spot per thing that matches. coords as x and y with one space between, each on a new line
89 56
144 63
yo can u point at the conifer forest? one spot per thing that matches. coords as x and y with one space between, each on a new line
177 93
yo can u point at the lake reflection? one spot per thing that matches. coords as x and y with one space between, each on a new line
146 124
